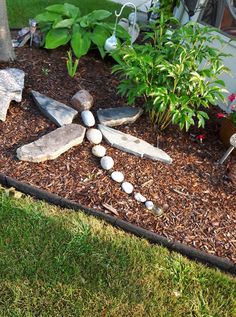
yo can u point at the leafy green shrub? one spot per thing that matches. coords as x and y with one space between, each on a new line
175 71
63 23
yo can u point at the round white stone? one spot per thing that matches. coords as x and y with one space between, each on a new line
127 187
117 177
88 118
94 136
149 204
107 162
99 150
139 197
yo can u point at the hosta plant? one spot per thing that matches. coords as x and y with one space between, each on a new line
176 72
63 24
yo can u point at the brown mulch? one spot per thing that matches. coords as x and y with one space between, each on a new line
199 201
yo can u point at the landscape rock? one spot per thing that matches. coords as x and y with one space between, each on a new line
88 118
94 136
53 144
133 145
107 162
117 176
82 100
56 111
117 116
139 197
11 86
127 187
99 150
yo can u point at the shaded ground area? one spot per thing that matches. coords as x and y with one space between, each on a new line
201 203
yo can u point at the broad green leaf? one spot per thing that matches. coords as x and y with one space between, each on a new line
47 17
84 21
76 28
99 35
56 38
56 8
71 10
65 9
98 15
80 43
55 22
67 23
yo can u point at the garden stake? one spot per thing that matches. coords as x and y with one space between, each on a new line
230 149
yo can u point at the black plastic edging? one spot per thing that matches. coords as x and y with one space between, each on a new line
192 253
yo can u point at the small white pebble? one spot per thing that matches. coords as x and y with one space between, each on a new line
139 197
117 177
149 204
88 118
127 187
94 136
99 150
107 162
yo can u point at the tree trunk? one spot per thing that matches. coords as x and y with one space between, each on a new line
6 49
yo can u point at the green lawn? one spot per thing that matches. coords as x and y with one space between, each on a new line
60 263
19 11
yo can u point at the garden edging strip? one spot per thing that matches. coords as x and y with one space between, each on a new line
192 253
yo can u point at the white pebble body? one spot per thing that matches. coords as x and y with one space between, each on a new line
94 136
88 118
107 162
99 150
139 197
127 187
117 177
149 204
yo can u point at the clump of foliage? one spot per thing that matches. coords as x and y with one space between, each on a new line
63 24
176 71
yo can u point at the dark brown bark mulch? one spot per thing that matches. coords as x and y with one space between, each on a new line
200 202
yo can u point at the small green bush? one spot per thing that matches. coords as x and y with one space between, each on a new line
176 71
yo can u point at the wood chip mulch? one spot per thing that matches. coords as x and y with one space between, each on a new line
199 200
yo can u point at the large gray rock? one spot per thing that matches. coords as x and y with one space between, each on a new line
117 116
11 86
133 145
56 111
53 144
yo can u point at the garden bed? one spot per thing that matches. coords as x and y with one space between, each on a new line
200 202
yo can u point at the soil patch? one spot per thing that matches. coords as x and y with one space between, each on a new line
201 201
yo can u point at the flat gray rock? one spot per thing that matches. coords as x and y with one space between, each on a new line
11 86
133 145
56 111
53 144
117 116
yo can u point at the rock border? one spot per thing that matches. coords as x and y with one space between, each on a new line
190 252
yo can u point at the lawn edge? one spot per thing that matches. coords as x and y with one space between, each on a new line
172 245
